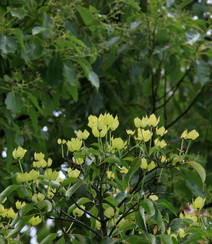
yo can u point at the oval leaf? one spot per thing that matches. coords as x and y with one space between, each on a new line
200 170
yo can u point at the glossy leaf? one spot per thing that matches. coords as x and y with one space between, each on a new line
72 189
203 71
70 74
80 202
7 191
199 169
49 238
166 204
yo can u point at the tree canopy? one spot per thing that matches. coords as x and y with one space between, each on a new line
61 61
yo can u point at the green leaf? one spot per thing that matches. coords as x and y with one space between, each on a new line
159 219
34 118
32 52
49 238
199 169
203 71
137 239
69 181
21 223
7 191
7 44
166 239
72 189
70 74
116 160
195 237
61 240
79 42
133 4
141 222
112 56
18 33
134 166
87 17
80 202
91 76
18 12
14 102
93 211
54 71
48 205
107 240
166 204
38 29
34 101
157 149
169 3
193 36
184 3
48 105
73 91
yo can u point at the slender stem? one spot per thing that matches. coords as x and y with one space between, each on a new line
81 223
85 211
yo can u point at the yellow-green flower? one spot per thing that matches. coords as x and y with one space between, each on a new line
34 174
144 122
145 135
109 212
38 156
153 197
82 135
184 134
117 143
78 160
92 121
143 163
151 166
115 124
35 221
198 203
11 214
78 212
192 135
49 162
73 173
74 145
137 122
20 205
124 170
130 132
48 174
110 175
19 153
181 232
95 131
153 121
108 119
161 131
40 197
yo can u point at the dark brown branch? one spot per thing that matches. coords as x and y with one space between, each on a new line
85 211
81 223
174 88
186 111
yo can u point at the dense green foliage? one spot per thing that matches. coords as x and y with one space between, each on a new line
61 61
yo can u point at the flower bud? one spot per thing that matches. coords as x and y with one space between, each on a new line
19 153
73 173
78 212
192 135
143 163
117 143
153 121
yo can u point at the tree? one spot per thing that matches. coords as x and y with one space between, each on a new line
71 59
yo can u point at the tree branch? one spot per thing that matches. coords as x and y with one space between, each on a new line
81 223
186 111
